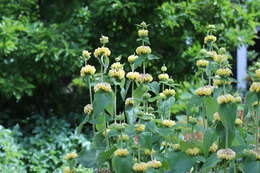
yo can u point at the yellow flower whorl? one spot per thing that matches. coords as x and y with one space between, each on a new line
86 54
102 51
87 70
145 78
133 75
216 116
176 146
255 87
210 38
224 72
143 32
202 63
143 50
154 164
257 73
139 127
238 121
132 58
103 86
140 167
121 152
117 73
225 99
168 92
129 101
204 91
168 123
69 156
226 154
163 76
193 151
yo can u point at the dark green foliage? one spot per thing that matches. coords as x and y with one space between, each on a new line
40 42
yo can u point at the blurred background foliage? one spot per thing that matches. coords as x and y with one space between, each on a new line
41 41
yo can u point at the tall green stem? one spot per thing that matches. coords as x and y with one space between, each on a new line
226 128
115 104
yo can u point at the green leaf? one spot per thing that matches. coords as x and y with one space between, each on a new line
166 105
138 92
122 164
211 162
179 162
105 155
228 114
251 97
101 101
146 140
251 167
211 107
88 158
79 128
209 137
131 113
154 87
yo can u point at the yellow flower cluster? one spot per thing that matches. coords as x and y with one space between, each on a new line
132 58
163 76
102 51
103 86
169 92
217 82
117 65
149 152
193 151
139 127
86 54
154 164
87 70
210 38
121 152
140 167
143 33
257 73
213 148
145 78
143 50
88 109
168 123
124 137
104 39
202 63
220 58
132 75
204 91
224 72
117 73
216 116
129 101
255 87
69 156
176 146
68 170
225 99
238 121
226 154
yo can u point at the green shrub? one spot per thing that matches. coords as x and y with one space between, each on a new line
11 153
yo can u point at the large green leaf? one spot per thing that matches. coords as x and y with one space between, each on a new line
146 140
228 114
165 106
104 156
211 162
251 167
88 158
179 162
101 101
211 106
251 97
209 137
131 113
122 164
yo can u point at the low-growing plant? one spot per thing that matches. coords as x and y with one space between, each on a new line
134 129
